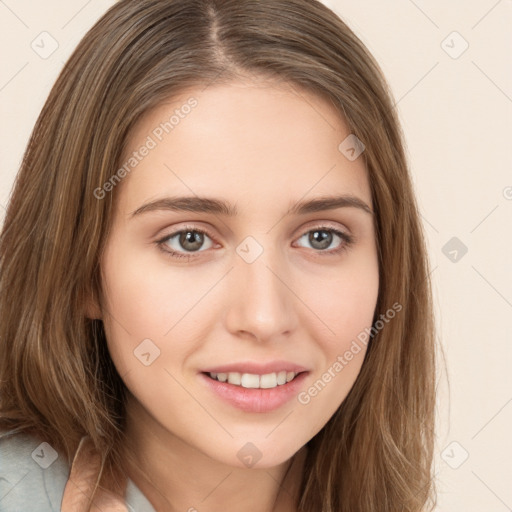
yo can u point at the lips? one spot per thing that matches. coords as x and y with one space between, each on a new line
253 386
255 368
259 400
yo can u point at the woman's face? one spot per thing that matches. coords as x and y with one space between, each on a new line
242 278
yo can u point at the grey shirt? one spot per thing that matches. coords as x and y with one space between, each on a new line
33 476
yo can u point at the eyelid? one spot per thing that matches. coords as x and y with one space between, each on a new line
325 224
314 224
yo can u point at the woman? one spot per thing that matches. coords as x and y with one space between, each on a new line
247 370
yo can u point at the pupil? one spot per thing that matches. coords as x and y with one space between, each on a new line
324 240
195 238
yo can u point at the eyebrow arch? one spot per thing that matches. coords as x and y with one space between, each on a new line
220 207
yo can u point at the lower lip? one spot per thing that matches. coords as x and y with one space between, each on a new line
255 400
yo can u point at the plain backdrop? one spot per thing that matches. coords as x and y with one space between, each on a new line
449 67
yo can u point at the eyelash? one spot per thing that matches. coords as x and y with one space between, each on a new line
348 240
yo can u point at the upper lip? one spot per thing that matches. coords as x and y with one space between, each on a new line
257 368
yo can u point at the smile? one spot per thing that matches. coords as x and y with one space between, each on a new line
254 381
253 392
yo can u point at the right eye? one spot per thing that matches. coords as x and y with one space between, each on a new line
187 239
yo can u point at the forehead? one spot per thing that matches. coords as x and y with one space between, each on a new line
257 143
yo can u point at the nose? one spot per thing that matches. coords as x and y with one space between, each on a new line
261 300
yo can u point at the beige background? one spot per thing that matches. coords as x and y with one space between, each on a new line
456 109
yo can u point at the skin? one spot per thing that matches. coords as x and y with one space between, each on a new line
261 147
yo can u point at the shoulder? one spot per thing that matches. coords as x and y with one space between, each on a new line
33 477
32 474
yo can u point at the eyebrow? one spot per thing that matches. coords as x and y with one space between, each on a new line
221 207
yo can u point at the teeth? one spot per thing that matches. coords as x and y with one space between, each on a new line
252 381
268 381
235 378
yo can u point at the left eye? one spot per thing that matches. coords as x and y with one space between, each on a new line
192 239
322 238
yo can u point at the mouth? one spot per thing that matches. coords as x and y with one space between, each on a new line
254 392
253 380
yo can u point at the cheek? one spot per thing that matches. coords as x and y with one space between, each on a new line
143 303
346 306
149 299
344 300
138 306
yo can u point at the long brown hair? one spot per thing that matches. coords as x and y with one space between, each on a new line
57 379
